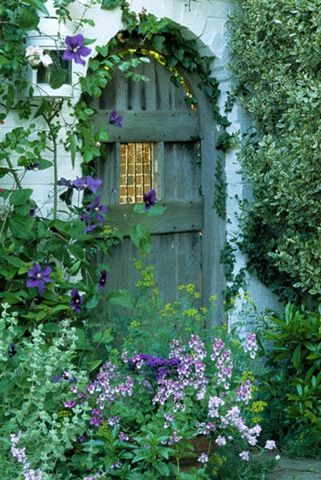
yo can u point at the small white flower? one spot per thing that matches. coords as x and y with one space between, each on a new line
270 445
203 458
31 51
277 457
245 456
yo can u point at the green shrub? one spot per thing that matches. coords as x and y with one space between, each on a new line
291 385
276 51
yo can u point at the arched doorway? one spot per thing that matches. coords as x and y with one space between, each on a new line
169 146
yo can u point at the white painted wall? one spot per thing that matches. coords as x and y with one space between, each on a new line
205 21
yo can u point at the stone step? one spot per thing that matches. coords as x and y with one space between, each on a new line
297 469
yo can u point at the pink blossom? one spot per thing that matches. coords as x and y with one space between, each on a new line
251 345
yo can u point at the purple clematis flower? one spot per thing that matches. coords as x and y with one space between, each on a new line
95 206
115 119
149 198
38 278
76 300
93 216
87 182
62 182
103 279
12 350
76 49
33 166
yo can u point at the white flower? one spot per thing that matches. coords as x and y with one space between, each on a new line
31 51
270 445
203 458
277 457
220 441
46 60
245 456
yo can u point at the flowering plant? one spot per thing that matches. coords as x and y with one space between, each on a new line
146 410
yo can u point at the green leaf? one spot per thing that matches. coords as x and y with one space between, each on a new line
139 208
20 197
93 302
38 4
158 42
72 139
110 4
163 469
15 261
141 238
121 298
57 78
28 18
93 365
21 226
156 210
296 357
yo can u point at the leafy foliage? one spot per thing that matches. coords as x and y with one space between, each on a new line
292 384
276 60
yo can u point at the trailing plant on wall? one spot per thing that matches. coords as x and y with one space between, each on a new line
276 52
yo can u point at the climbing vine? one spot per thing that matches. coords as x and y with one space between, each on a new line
34 146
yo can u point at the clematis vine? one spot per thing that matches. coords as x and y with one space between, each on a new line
76 49
38 278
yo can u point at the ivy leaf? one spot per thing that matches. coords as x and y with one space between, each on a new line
110 4
28 18
158 42
57 78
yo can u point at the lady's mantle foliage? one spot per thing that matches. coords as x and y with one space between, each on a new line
276 53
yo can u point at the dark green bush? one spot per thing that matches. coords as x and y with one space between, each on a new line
276 51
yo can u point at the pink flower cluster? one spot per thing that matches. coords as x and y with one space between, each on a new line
104 389
251 345
244 392
190 374
20 455
223 359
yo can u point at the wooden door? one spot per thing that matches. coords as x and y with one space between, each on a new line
158 147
